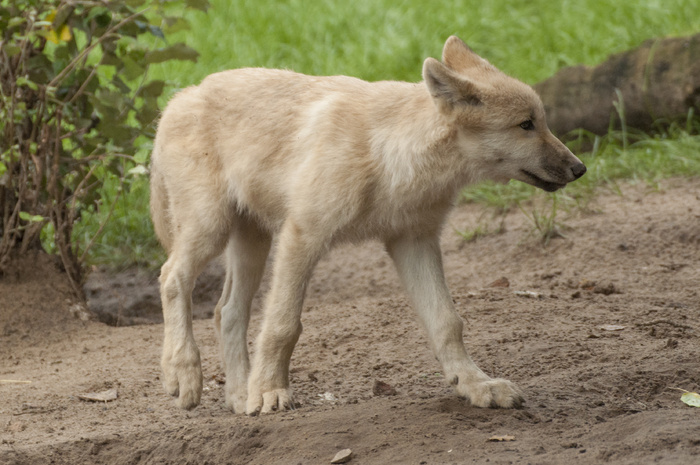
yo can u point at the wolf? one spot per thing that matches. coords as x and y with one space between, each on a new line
255 154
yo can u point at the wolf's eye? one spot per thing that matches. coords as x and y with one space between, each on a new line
527 125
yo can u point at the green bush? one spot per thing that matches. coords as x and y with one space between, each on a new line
76 114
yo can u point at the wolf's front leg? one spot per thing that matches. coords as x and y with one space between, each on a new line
419 263
268 384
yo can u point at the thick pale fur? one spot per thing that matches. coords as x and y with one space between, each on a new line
315 161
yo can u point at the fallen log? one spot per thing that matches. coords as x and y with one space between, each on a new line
656 83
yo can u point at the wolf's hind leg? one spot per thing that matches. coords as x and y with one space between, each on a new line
194 246
419 263
245 256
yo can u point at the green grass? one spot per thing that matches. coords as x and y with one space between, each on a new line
381 39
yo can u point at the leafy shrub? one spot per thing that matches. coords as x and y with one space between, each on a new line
77 112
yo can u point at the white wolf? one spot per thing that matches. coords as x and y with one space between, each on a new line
315 161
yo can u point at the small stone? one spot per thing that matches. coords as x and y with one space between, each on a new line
80 312
344 456
328 397
606 289
383 389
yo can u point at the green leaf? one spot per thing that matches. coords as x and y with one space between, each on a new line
62 55
16 21
12 49
174 25
138 170
115 130
142 155
31 218
23 81
179 51
148 111
102 16
116 80
40 69
152 89
135 3
109 58
48 238
3 168
99 11
131 69
202 5
111 99
691 398
109 45
138 26
156 31
62 16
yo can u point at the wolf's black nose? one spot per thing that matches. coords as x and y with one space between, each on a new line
579 169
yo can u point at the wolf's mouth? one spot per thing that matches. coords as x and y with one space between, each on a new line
541 183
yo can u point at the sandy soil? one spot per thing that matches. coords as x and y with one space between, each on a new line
595 393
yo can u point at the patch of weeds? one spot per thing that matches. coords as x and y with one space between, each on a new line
545 221
473 234
482 229
500 197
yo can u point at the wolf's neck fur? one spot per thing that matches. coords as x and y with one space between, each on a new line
416 145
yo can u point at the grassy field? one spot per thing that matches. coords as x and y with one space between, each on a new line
380 39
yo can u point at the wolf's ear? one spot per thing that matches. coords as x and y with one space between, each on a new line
447 88
458 56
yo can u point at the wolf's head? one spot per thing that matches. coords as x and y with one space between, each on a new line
499 121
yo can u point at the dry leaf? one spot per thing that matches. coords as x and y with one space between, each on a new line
500 282
104 396
691 398
501 438
14 381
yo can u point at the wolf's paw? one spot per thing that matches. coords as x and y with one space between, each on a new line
492 393
269 401
182 378
170 383
236 395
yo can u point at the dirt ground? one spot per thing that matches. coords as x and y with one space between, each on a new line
596 393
